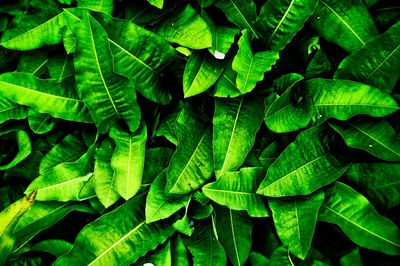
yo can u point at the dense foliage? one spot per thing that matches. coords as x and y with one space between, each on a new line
202 132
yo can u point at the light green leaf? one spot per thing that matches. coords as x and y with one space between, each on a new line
186 28
157 3
106 6
40 123
242 13
10 110
251 67
355 98
104 179
128 241
374 135
235 124
8 221
226 85
234 233
280 20
237 191
160 256
192 163
158 204
58 99
204 247
346 23
128 159
201 72
377 63
304 166
32 31
359 220
108 95
295 221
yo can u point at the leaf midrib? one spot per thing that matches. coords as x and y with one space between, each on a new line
246 21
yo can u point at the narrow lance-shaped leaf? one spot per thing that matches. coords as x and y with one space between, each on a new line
295 221
201 72
374 135
8 221
235 123
306 165
346 23
106 6
251 67
192 164
128 159
237 191
280 20
234 233
359 220
108 95
242 13
104 179
186 28
355 98
129 239
377 63
58 99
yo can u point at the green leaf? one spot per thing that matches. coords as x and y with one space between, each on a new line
237 191
58 99
157 3
242 13
106 6
352 258
186 28
251 67
160 256
40 123
184 225
286 81
374 135
355 98
359 220
104 178
128 159
55 247
157 159
10 110
346 23
8 221
32 31
60 66
128 241
158 205
201 72
234 233
379 181
108 95
192 163
179 252
34 62
226 85
295 221
306 165
204 247
280 20
377 63
235 123
20 151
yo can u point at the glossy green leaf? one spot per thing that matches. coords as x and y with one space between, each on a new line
10 110
286 81
108 95
106 6
242 13
235 123
237 191
131 239
234 233
104 178
34 62
21 149
192 163
377 63
158 205
359 220
60 66
251 66
355 98
186 28
346 23
201 72
226 85
157 3
128 159
40 123
295 221
156 160
55 247
204 247
306 165
9 219
58 99
374 135
160 256
179 252
280 20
